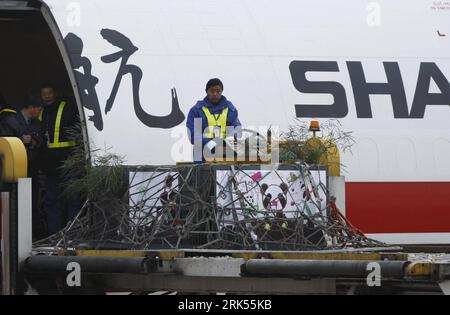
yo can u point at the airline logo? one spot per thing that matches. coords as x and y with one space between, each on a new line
362 90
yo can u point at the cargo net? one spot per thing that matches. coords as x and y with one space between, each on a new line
216 207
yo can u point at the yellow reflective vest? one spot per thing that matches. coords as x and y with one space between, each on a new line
217 124
57 143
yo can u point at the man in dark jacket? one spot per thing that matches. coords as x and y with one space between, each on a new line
210 121
26 126
58 117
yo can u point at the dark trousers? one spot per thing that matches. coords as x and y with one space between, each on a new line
60 210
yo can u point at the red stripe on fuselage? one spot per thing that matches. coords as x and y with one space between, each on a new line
399 207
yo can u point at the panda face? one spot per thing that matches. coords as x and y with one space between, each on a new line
274 197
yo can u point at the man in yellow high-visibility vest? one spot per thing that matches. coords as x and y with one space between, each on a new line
58 117
211 121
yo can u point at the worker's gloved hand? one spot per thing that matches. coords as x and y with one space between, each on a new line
26 139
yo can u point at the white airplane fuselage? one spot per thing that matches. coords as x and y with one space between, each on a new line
381 67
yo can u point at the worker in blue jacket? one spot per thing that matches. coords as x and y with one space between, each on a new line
211 121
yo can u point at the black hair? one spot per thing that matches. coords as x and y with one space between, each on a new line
214 82
48 85
32 101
